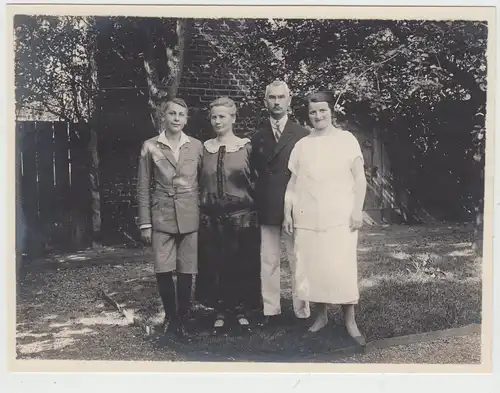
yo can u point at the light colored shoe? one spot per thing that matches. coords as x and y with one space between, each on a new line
303 314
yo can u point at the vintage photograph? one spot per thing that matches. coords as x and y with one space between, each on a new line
271 190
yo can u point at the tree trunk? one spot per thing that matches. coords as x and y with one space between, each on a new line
95 188
477 242
175 56
153 84
94 115
175 63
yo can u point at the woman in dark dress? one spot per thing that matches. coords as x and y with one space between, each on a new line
229 258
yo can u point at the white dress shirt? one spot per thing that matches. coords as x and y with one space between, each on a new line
280 123
184 139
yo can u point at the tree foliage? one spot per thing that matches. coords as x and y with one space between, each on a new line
421 83
55 68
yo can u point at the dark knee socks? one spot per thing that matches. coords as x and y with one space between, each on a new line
184 284
167 293
166 288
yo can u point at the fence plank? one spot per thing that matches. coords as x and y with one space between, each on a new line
61 162
45 145
29 183
29 186
80 200
79 159
20 219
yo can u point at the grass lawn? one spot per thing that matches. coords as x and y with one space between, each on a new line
412 280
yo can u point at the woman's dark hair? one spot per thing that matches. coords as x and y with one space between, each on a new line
322 96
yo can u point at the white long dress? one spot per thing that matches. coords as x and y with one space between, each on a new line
325 245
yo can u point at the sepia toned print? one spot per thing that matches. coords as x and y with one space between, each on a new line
254 190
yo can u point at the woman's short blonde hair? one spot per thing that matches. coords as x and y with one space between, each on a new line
225 102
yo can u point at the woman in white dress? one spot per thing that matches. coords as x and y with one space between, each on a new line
323 210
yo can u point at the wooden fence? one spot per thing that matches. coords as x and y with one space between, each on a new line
52 184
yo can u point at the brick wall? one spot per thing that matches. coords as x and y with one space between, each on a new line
204 80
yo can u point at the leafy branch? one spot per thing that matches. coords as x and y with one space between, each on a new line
394 53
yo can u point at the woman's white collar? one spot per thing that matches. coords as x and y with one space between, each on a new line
213 145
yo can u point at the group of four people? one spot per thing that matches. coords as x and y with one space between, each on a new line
220 210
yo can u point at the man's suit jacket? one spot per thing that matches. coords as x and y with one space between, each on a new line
167 191
270 162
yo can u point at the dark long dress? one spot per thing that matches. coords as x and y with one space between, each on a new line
229 236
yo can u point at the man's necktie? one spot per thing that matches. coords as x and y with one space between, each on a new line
277 131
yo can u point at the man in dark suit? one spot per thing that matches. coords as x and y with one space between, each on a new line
271 148
169 215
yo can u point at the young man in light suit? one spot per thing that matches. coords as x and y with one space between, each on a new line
271 148
169 215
